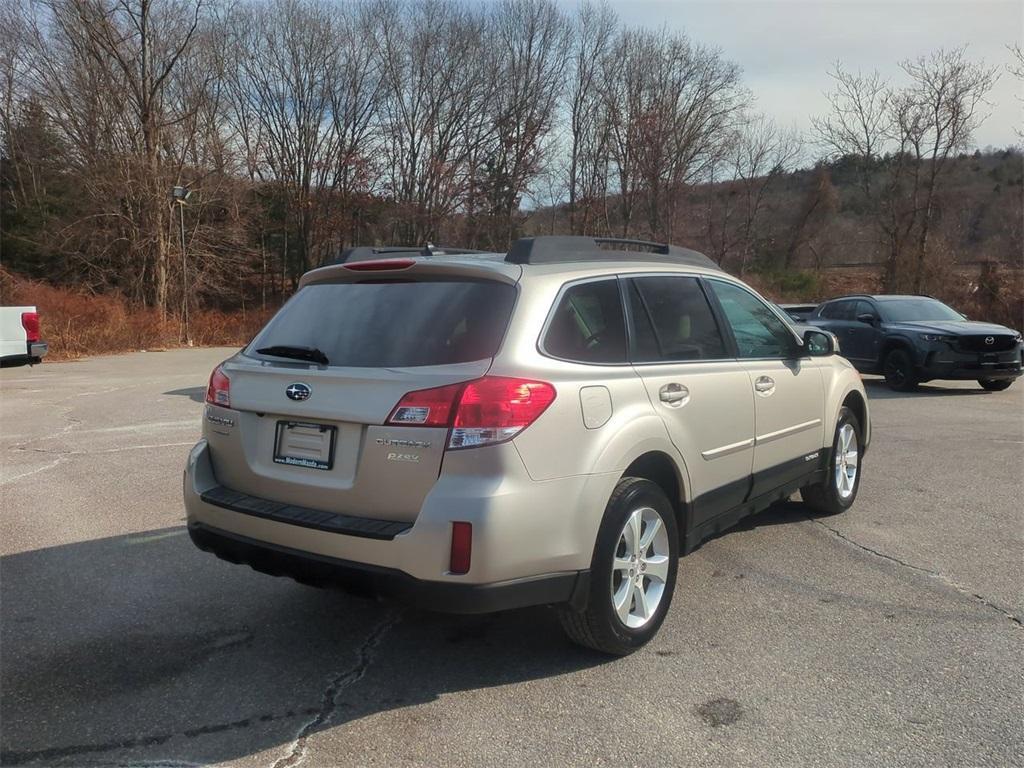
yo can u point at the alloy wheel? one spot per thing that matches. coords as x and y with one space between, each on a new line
639 568
846 460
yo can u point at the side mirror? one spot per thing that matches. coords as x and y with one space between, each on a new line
866 317
820 343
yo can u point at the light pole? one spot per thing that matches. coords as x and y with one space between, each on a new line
181 195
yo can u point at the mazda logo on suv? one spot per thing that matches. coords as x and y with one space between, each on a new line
298 391
990 340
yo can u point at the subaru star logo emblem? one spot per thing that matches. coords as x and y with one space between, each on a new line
990 339
298 391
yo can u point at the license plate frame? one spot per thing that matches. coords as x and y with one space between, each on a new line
327 432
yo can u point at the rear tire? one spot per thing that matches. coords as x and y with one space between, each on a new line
995 385
899 372
838 489
632 572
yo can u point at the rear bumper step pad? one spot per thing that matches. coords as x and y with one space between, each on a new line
305 517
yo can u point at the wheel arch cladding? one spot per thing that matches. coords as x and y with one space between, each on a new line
856 403
898 342
661 469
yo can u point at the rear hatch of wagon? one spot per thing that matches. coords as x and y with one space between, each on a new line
314 432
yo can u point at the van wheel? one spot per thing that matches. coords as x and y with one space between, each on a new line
995 385
632 572
838 490
898 370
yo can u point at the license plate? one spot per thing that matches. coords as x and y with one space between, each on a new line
301 444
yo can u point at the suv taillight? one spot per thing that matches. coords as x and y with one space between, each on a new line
482 412
219 390
30 322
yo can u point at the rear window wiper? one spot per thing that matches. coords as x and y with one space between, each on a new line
312 354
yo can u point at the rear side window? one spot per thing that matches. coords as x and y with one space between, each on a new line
672 321
587 325
396 324
758 331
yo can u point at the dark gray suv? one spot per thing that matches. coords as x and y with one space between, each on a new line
913 339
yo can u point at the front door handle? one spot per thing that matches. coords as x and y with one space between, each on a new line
674 394
764 384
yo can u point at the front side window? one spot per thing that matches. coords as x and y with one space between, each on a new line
838 310
587 325
672 321
758 331
863 308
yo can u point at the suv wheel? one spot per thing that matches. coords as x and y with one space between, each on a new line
995 385
632 573
838 490
899 373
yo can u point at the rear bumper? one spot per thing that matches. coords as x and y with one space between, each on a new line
361 578
531 540
34 353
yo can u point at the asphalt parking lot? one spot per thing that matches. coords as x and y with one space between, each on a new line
889 635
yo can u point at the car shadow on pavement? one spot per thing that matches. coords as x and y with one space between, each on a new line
195 394
141 649
877 389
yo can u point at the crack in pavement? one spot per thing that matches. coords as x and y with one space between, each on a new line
76 751
927 572
329 703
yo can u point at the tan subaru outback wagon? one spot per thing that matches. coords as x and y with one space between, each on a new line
556 425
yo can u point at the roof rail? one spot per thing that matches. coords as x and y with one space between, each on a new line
560 249
371 252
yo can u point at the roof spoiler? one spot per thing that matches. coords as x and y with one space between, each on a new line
372 252
561 249
548 249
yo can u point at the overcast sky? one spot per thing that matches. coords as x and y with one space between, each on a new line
786 48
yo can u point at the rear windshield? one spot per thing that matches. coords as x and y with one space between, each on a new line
393 324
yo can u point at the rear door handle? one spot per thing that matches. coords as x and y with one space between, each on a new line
764 384
674 394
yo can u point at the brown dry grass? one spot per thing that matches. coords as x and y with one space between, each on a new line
76 324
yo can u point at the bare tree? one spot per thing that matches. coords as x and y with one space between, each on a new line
758 155
532 39
901 141
433 107
587 170
1016 68
671 106
103 72
284 94
142 41
939 112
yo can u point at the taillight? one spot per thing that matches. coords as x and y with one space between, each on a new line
427 407
30 322
495 408
462 548
219 390
482 412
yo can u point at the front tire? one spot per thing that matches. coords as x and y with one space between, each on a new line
899 372
838 490
632 572
995 385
